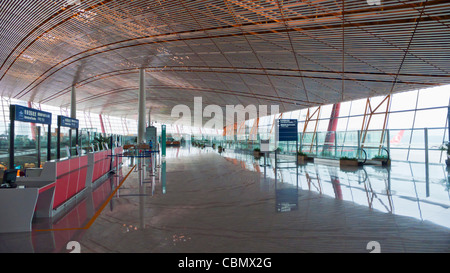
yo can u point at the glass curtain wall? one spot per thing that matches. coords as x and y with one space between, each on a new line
27 134
411 117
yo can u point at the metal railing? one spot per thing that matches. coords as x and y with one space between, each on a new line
414 145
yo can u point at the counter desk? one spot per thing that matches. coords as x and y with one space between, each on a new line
45 192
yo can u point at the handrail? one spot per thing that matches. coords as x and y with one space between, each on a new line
387 151
365 156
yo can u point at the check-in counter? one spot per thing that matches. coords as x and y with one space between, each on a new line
16 209
66 226
44 193
70 178
99 165
45 183
102 164
60 179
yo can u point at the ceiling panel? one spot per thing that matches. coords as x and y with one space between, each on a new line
294 54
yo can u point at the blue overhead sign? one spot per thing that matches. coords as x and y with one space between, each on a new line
25 114
68 122
287 130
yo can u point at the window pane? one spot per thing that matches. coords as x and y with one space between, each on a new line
341 124
431 118
433 97
379 103
403 101
417 156
295 114
401 120
358 107
418 139
376 122
323 125
325 111
344 110
435 138
399 138
355 123
302 115
398 154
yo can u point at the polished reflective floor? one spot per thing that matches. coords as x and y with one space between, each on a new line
201 201
405 188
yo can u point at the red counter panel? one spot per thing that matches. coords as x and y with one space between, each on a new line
70 179
102 164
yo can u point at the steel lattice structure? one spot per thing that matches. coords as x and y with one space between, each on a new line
295 54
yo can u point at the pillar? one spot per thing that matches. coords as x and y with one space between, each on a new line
73 103
149 117
141 109
73 114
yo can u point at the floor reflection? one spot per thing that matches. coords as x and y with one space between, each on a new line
146 213
403 189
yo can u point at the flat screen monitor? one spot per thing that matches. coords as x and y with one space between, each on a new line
9 178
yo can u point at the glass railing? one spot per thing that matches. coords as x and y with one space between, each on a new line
30 147
415 145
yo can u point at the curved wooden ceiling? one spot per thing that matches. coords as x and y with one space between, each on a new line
294 54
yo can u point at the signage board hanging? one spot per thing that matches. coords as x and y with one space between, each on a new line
26 114
68 122
287 130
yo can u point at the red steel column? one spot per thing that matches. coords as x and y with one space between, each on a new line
101 123
332 125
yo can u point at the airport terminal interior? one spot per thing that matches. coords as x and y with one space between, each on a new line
225 126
